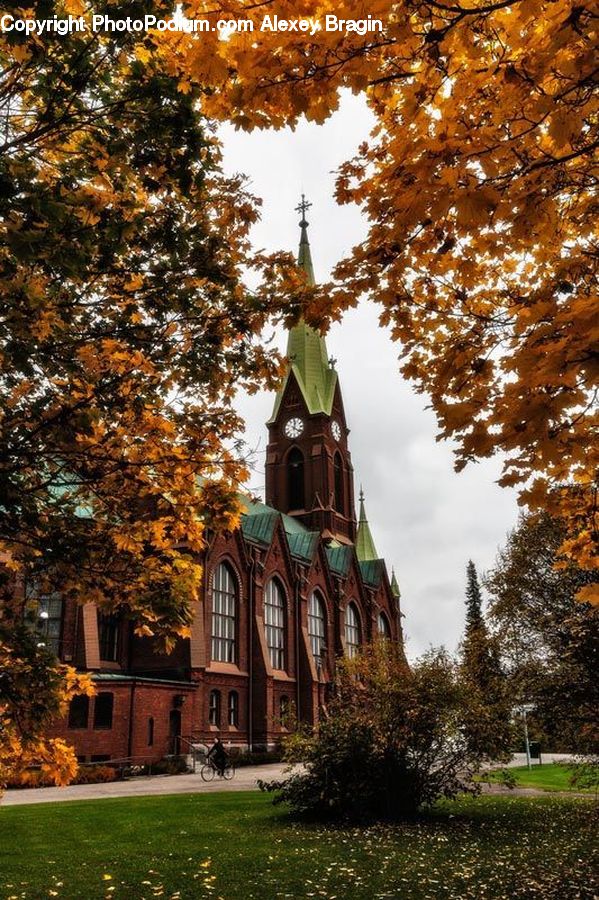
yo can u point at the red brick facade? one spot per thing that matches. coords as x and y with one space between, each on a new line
273 591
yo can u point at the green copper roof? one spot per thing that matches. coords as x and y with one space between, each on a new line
307 352
394 585
259 527
365 548
372 571
339 558
304 257
303 545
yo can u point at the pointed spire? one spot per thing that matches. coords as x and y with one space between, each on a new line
394 585
306 347
365 548
304 256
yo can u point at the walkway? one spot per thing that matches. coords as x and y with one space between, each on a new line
246 779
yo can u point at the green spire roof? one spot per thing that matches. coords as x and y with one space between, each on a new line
306 347
304 256
365 548
394 585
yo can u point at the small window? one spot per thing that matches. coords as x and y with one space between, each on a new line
274 623
150 732
100 757
214 708
108 636
383 627
79 712
352 630
49 622
284 710
103 710
233 708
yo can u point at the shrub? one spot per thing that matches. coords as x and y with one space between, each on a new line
241 758
96 775
170 765
393 740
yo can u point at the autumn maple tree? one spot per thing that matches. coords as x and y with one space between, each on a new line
480 184
125 330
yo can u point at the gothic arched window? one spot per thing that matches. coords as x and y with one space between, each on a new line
214 708
233 708
295 479
339 492
317 628
352 630
224 615
274 623
383 627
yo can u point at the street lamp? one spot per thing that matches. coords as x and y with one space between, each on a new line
522 710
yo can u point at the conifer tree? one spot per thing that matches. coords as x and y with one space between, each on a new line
474 616
480 659
481 666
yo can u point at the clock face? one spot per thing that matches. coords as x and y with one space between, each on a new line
336 430
294 428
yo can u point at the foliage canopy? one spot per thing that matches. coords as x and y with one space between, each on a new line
480 184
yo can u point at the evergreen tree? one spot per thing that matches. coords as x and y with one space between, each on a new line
474 615
481 666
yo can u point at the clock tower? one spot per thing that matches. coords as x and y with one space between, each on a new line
309 474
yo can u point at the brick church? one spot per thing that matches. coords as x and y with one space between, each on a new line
296 585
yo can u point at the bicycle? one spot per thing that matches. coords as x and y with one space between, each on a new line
210 769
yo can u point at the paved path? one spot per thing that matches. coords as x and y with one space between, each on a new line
245 780
519 759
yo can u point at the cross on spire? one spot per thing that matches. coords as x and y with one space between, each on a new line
302 208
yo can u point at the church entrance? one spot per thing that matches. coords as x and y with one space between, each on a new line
175 732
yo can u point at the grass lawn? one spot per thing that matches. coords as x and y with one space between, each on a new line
548 777
236 845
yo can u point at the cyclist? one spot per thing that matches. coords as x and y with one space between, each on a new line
218 755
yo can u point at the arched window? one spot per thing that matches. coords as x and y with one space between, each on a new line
214 708
224 615
295 479
274 623
339 493
384 628
352 630
317 628
233 708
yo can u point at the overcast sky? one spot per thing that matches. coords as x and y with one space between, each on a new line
427 521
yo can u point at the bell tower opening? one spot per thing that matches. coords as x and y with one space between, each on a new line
339 486
296 492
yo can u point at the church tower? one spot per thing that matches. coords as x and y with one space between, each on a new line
309 474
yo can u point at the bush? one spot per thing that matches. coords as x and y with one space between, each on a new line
35 778
393 740
240 758
170 765
95 775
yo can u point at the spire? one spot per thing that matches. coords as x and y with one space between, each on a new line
365 548
304 256
394 585
306 347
